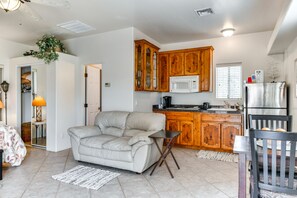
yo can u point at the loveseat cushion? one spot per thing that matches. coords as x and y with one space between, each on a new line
118 144
145 121
125 156
96 141
112 122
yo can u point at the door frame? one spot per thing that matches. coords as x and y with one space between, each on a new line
99 66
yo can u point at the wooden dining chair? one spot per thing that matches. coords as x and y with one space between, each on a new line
272 122
280 177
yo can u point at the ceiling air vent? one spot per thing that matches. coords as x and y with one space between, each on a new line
76 26
204 12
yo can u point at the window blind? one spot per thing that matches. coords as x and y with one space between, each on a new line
228 81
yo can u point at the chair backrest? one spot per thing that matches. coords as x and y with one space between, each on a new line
274 146
270 121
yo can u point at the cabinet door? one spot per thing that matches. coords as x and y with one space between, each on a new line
163 73
229 131
192 63
138 67
148 70
210 135
206 69
176 64
173 125
187 133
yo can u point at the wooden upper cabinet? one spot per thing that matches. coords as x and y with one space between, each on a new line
146 66
206 56
138 67
229 131
192 63
210 135
148 71
153 69
176 64
163 72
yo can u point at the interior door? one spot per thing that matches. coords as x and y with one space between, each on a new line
93 93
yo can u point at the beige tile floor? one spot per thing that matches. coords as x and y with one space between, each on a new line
196 178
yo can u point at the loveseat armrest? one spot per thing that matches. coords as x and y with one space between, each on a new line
142 137
84 131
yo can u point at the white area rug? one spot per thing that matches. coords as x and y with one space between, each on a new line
86 177
221 156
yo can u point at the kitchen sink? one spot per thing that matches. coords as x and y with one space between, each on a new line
184 107
221 109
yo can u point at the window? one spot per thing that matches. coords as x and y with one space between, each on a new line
228 81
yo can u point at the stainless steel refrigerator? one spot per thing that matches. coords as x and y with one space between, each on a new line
265 99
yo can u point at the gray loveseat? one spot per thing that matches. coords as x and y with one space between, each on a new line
119 139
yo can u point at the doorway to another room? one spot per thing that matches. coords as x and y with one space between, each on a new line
93 92
33 105
1 95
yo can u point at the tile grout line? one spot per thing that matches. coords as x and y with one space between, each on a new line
220 190
63 171
29 184
151 186
121 187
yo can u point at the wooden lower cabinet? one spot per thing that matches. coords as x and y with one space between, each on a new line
185 127
210 135
229 131
187 133
173 125
218 131
203 130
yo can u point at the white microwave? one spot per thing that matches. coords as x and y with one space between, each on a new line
184 84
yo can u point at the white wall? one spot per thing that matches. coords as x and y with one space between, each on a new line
114 50
250 49
291 78
9 49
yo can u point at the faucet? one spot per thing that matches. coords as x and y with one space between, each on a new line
227 104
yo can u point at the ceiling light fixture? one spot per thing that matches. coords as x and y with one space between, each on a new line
227 32
11 5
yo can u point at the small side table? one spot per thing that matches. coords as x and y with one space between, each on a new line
1 153
37 124
167 135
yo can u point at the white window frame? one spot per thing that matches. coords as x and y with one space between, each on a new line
241 83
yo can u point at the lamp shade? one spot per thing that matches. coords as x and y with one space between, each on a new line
10 5
38 101
1 105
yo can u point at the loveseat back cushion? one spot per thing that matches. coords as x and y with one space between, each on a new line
145 121
112 122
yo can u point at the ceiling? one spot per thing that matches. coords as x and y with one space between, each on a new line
166 21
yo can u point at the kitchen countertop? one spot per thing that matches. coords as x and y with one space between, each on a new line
189 108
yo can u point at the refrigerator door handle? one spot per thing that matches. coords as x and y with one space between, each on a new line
246 108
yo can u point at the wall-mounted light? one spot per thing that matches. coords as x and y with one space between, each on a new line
227 32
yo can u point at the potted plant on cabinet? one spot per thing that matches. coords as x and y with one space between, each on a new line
48 46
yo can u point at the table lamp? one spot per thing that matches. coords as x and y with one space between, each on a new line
5 87
38 102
